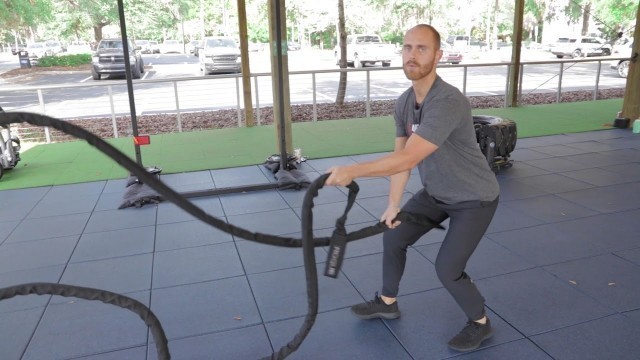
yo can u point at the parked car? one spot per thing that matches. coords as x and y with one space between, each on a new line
53 47
293 46
171 46
15 50
145 46
36 51
79 47
109 59
622 66
579 46
363 49
193 46
458 41
478 44
154 46
450 55
219 54
463 42
256 46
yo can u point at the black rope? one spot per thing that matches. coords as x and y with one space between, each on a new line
105 296
308 242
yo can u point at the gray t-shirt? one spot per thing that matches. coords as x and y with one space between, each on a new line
457 171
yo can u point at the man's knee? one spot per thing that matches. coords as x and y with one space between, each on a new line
448 274
392 242
398 238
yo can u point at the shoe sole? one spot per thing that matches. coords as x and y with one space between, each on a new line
387 316
486 337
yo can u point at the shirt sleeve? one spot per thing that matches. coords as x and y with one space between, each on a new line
400 116
440 118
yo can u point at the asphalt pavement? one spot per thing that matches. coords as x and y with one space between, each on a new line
8 62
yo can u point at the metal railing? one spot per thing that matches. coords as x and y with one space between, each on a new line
178 96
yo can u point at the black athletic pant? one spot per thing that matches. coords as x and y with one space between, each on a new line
468 222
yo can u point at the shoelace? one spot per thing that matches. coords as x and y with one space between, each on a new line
376 301
472 328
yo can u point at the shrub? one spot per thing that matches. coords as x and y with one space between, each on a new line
64 60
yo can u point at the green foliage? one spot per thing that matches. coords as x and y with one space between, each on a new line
307 20
64 60
615 16
393 38
17 13
573 10
257 33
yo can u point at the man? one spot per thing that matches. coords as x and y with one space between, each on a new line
435 132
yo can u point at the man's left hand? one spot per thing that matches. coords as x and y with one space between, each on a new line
340 176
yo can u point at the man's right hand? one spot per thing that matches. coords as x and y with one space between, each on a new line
390 214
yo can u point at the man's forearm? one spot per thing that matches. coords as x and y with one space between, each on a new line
391 164
397 186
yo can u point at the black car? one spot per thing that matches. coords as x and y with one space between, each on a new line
108 59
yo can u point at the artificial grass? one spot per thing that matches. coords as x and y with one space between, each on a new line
77 161
552 119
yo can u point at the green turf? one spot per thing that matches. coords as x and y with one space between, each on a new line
77 161
540 120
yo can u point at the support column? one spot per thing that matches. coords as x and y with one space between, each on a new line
246 71
631 103
280 76
514 74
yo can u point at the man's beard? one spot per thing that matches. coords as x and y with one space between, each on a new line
418 73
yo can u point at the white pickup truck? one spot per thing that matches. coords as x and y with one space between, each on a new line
363 49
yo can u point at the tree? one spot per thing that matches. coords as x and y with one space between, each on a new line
540 11
68 21
18 13
579 10
616 16
342 35
101 13
258 27
21 16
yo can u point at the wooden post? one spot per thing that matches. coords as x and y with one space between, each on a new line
514 74
280 78
246 72
631 102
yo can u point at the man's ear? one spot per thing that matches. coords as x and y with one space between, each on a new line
438 55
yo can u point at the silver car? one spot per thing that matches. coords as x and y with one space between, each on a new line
579 46
622 66
219 54
37 50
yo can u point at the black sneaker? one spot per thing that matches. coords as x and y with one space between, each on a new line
471 336
376 308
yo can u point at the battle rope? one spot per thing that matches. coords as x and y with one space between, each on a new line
337 241
106 297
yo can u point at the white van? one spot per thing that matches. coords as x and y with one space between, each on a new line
458 41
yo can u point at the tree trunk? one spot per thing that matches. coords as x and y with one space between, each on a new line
488 27
342 43
494 38
586 14
540 28
97 32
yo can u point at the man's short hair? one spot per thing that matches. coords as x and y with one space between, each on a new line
433 30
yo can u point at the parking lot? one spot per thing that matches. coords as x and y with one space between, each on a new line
173 81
